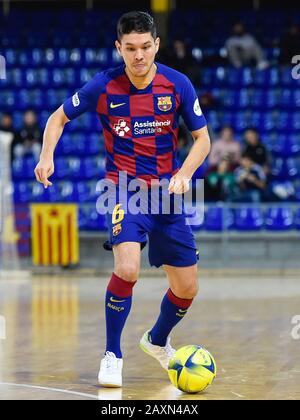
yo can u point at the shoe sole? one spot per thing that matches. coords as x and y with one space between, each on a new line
150 354
110 385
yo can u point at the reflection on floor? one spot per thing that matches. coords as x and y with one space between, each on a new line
55 337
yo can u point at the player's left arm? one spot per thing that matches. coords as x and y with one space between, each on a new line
194 119
199 151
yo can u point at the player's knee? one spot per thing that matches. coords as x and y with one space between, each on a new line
128 272
188 291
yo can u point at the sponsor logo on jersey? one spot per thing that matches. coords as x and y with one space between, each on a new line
145 128
197 109
164 103
121 128
75 99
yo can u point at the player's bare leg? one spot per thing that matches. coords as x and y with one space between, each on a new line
183 283
127 260
127 257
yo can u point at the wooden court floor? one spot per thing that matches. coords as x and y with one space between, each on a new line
55 338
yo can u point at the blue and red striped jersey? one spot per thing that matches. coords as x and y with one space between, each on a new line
140 126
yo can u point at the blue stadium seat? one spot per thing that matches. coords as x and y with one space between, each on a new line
293 145
279 169
94 167
90 219
195 216
288 146
94 144
63 191
62 168
82 218
279 218
293 167
65 146
297 190
87 192
38 194
285 190
23 168
21 192
297 218
248 219
217 219
295 122
267 77
77 144
286 79
30 192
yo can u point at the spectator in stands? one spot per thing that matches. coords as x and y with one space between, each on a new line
243 49
6 125
225 147
30 137
255 149
251 181
180 58
208 102
219 183
290 44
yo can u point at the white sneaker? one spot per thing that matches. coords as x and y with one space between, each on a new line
162 354
110 373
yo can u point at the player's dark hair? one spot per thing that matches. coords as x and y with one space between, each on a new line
254 130
136 21
5 114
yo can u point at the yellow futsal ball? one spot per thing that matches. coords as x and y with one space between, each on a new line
192 369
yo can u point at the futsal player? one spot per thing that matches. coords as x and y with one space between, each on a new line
139 104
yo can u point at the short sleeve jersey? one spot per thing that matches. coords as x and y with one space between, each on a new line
140 126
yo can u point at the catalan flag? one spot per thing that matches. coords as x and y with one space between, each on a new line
54 234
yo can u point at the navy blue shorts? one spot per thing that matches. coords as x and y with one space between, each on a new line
171 240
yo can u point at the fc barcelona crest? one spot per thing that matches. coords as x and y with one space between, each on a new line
164 103
117 229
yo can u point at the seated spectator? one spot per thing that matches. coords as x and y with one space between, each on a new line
250 180
225 147
180 58
6 125
219 183
30 142
255 149
290 44
243 49
208 102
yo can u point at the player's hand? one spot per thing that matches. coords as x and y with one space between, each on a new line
179 184
44 169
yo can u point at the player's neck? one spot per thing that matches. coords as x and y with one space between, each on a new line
143 81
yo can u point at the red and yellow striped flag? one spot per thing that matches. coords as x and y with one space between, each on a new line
54 234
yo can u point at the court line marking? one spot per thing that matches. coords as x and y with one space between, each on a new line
237 395
65 391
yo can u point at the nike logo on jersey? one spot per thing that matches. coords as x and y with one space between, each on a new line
116 301
112 105
182 310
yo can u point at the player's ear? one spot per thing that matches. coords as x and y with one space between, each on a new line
118 47
157 42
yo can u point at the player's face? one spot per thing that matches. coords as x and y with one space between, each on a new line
138 52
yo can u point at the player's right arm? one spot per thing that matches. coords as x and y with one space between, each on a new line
85 99
53 131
